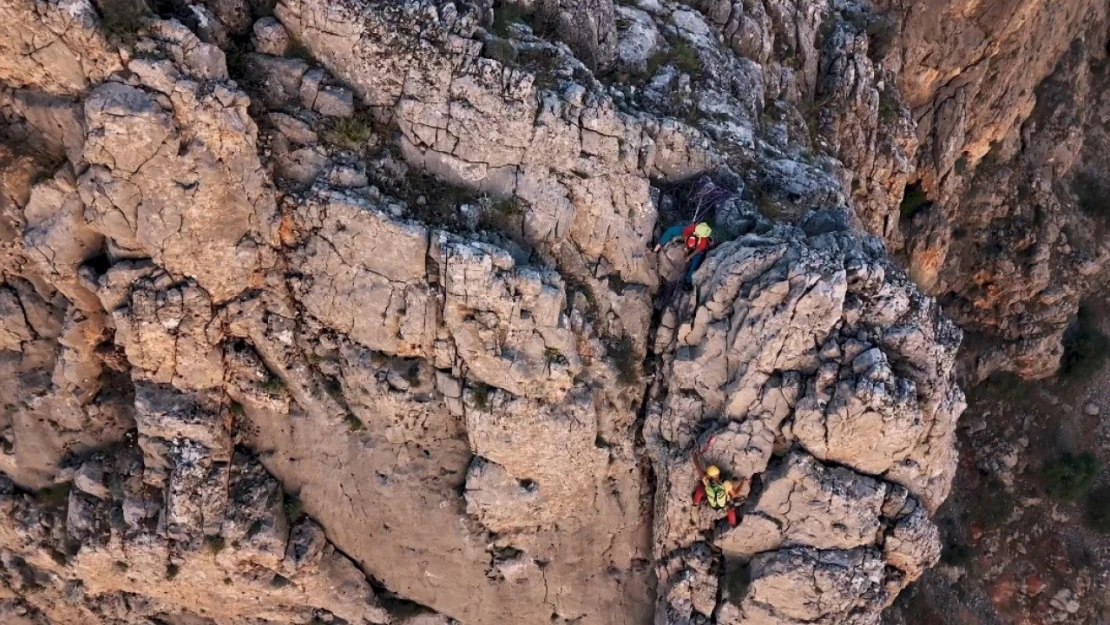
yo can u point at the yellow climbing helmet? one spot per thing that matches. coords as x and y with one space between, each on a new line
702 230
712 471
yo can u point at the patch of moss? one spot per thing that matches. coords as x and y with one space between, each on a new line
1071 476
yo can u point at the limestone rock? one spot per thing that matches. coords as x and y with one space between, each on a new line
269 37
769 325
174 193
55 46
804 503
796 586
587 26
438 355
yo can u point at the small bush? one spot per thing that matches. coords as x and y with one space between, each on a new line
888 107
623 355
505 16
1098 510
273 385
124 19
350 133
1071 476
480 393
501 51
227 581
121 566
961 163
994 505
440 203
54 496
279 581
294 509
354 424
59 557
214 544
553 355
253 530
687 59
501 215
172 570
237 409
544 64
1086 348
737 580
574 285
1009 386
298 50
681 55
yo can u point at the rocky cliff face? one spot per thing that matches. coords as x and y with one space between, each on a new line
319 312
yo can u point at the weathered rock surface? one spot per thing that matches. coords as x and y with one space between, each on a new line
362 334
1002 95
791 341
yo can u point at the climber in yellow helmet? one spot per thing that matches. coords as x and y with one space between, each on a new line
717 493
697 237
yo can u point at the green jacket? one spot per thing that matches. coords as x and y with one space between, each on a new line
716 495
